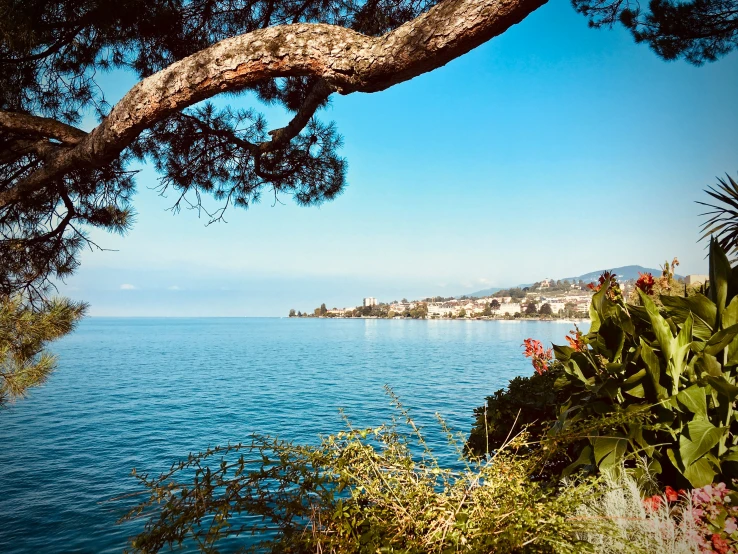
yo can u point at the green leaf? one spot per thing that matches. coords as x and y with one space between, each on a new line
731 456
722 386
636 391
679 356
720 272
702 309
694 399
730 315
635 378
700 437
608 451
584 459
633 385
700 473
654 370
708 365
673 459
562 353
661 328
721 339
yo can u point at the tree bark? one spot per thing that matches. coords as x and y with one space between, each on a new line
347 61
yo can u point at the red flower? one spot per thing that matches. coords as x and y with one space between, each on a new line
540 357
608 279
645 282
671 494
720 544
652 503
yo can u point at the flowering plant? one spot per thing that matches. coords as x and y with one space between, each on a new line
541 358
576 341
609 281
645 282
715 510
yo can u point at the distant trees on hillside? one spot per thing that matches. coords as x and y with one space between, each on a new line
515 293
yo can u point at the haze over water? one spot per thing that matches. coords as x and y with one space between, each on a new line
145 392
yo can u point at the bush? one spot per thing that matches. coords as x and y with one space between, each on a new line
362 491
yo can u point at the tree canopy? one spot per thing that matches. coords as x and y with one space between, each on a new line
57 180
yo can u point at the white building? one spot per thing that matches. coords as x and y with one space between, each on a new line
511 308
696 279
370 301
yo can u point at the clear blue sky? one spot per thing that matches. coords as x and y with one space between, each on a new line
551 151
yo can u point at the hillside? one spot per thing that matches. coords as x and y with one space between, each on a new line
624 273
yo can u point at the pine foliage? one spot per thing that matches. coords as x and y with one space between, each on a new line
698 31
24 333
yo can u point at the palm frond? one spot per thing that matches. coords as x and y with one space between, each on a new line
722 219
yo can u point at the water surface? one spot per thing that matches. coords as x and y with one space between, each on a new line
145 392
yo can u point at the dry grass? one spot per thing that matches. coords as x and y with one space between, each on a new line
669 529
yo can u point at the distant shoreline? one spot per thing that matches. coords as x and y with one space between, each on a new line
511 320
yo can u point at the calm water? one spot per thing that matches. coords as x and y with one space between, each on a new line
144 392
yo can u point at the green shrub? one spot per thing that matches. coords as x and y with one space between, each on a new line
362 491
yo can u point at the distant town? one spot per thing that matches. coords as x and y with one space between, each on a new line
546 299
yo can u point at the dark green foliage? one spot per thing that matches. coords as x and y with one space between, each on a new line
546 309
515 293
527 402
698 31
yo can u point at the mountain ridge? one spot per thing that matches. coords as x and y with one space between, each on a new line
626 273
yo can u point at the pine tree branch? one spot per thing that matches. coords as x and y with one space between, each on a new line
346 60
32 125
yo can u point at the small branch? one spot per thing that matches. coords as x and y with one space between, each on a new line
26 124
15 149
315 98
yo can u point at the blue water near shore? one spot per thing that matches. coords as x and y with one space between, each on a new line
144 393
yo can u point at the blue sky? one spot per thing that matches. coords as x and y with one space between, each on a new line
552 150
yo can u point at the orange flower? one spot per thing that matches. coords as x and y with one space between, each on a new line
540 357
576 342
645 282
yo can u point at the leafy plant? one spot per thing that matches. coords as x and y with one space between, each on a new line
649 380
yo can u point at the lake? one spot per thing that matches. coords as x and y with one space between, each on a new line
144 393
